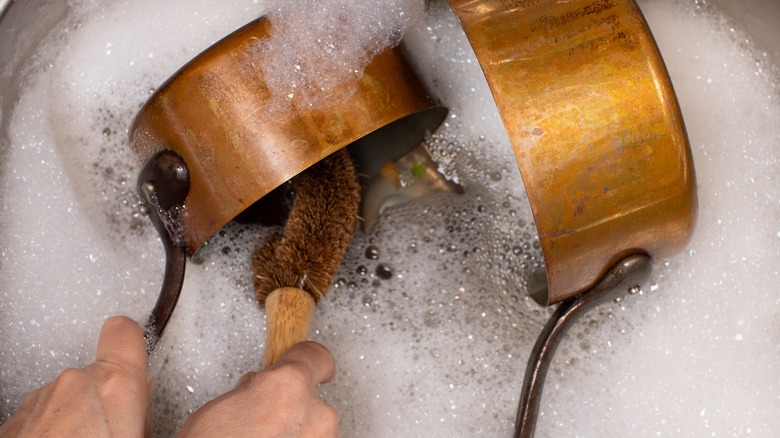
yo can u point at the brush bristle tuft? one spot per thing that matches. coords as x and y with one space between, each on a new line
322 220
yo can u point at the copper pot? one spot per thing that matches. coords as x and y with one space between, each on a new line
215 140
601 146
596 130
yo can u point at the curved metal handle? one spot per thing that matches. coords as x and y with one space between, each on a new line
173 279
630 272
163 185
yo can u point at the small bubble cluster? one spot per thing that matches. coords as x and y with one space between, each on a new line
114 172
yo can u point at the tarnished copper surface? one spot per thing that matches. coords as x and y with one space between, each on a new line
595 126
218 114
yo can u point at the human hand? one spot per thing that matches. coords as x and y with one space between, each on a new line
108 398
280 401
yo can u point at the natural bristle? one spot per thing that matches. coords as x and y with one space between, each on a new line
322 220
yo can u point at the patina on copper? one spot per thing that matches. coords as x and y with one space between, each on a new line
595 127
219 116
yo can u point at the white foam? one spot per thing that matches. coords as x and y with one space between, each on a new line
438 349
309 60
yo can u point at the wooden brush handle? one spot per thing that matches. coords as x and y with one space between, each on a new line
288 314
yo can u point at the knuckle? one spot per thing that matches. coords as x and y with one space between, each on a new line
117 378
71 377
288 375
114 380
245 380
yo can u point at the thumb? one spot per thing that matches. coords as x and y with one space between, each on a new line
122 343
313 358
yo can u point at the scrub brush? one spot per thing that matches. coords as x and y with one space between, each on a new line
295 270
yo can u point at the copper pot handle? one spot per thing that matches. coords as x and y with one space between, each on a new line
625 277
163 185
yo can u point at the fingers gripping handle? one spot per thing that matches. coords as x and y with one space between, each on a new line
288 312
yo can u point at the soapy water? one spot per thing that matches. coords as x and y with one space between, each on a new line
329 51
428 317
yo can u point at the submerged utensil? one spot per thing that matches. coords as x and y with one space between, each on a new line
601 145
213 125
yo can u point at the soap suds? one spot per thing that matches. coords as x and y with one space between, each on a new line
307 60
428 319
